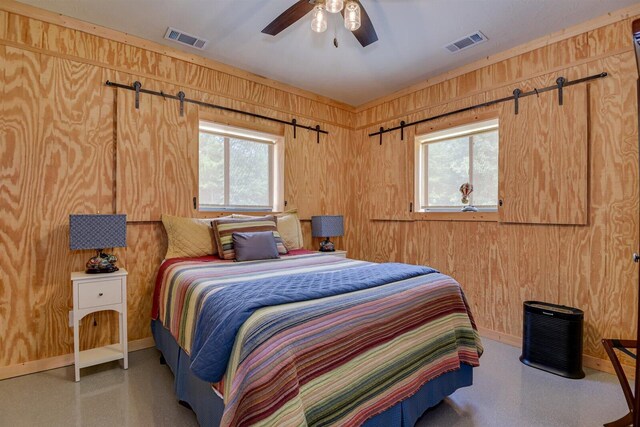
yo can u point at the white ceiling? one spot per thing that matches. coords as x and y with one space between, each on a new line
411 34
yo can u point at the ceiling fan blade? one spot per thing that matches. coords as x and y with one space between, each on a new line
366 34
288 17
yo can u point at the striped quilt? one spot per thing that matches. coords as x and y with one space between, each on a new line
337 360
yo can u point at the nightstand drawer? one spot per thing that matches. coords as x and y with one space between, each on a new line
103 292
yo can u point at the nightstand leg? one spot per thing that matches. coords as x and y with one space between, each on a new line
76 346
123 339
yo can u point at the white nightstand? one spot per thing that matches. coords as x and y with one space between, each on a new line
337 252
99 292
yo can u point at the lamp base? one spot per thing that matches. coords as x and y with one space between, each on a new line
101 263
112 269
327 246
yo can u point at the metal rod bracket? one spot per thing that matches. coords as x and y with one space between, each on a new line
381 132
295 127
516 98
181 96
561 81
402 123
317 134
137 86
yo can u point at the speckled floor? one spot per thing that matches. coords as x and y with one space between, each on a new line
505 393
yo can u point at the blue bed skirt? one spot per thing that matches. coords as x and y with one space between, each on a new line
208 406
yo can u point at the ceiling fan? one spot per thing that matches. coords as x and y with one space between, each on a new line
356 18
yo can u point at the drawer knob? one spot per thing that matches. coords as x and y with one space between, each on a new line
100 294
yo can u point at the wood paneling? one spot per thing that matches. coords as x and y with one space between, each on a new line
19 171
157 157
614 194
390 178
543 155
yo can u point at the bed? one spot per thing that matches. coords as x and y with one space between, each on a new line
312 339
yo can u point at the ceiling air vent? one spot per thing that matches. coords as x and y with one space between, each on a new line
466 42
185 38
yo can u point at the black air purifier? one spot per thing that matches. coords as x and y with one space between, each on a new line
552 338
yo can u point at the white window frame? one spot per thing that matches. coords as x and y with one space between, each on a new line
421 155
276 166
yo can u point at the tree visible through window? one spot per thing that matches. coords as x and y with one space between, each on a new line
448 159
235 170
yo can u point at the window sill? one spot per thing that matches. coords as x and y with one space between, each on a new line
456 216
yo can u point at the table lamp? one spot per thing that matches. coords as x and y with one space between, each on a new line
96 231
327 226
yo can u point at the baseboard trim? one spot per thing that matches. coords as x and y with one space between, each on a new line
34 366
592 362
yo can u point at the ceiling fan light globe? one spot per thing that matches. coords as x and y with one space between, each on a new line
319 19
352 20
334 6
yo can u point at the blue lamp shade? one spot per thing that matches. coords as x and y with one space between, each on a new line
327 226
97 231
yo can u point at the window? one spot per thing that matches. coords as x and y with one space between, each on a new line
239 169
449 158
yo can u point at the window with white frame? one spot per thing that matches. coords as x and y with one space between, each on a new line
239 169
449 158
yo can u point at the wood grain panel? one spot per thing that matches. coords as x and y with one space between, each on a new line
24 30
304 176
314 174
390 175
156 157
610 38
19 170
71 109
543 156
3 24
614 125
147 244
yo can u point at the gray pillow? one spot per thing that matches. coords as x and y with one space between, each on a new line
256 245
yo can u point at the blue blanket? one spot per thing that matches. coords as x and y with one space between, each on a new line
223 313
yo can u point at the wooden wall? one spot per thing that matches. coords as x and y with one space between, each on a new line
499 264
59 154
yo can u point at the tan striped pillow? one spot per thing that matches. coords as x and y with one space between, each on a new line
224 229
288 227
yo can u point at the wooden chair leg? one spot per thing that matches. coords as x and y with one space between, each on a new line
609 346
625 421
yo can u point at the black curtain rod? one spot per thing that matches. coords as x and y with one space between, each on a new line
137 88
517 94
